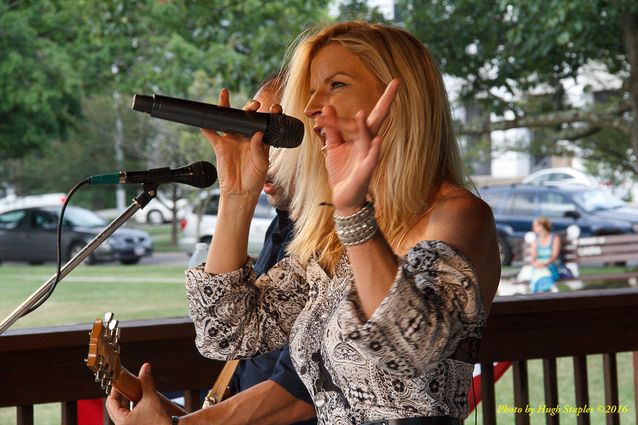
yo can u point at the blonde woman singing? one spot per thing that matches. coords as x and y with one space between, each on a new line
392 271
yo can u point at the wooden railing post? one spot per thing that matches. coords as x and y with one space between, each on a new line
582 392
192 400
550 381
635 358
24 415
69 413
487 394
610 372
521 392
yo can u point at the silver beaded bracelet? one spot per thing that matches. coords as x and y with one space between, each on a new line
358 227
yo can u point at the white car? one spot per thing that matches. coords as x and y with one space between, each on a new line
159 210
46 199
561 176
195 230
565 176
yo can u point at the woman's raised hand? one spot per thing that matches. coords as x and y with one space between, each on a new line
242 162
352 150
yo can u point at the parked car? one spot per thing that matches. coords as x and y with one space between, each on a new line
195 230
561 176
159 210
566 176
12 202
29 234
594 211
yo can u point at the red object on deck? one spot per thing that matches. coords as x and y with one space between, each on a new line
91 412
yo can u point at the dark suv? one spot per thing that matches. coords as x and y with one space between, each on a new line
594 211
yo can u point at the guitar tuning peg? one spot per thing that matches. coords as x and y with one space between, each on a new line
116 338
106 382
113 325
108 316
108 389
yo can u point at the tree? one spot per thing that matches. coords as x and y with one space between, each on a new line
508 51
39 87
359 9
158 46
55 52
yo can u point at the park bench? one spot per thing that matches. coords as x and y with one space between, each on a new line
620 249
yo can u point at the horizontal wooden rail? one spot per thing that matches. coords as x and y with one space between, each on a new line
579 322
44 365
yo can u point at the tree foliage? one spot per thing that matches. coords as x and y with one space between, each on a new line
360 10
69 69
509 51
39 86
159 46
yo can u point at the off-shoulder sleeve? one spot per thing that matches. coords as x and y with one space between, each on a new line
236 315
432 308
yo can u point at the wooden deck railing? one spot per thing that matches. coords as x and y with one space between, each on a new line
44 365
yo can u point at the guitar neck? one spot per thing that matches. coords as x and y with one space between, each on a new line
130 387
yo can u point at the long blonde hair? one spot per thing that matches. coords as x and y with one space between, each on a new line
418 151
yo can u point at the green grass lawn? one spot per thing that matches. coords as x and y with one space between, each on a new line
161 235
131 292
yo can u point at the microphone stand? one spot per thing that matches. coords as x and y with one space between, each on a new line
149 192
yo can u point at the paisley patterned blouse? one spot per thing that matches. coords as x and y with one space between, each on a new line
413 357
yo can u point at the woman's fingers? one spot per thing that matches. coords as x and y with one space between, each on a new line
382 107
214 137
224 98
276 109
362 144
252 105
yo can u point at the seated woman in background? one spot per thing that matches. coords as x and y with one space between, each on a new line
545 251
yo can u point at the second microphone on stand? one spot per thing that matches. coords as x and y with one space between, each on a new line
199 174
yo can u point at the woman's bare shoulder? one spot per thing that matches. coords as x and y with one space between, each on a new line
458 206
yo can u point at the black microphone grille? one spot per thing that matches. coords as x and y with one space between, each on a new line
143 103
204 174
283 131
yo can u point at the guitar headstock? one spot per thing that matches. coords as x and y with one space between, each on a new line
104 351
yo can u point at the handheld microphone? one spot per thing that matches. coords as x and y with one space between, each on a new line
199 174
280 131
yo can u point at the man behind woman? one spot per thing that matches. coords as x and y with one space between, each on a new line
394 263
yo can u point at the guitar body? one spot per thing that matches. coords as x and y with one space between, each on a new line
104 360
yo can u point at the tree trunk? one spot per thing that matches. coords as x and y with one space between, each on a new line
118 143
174 222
